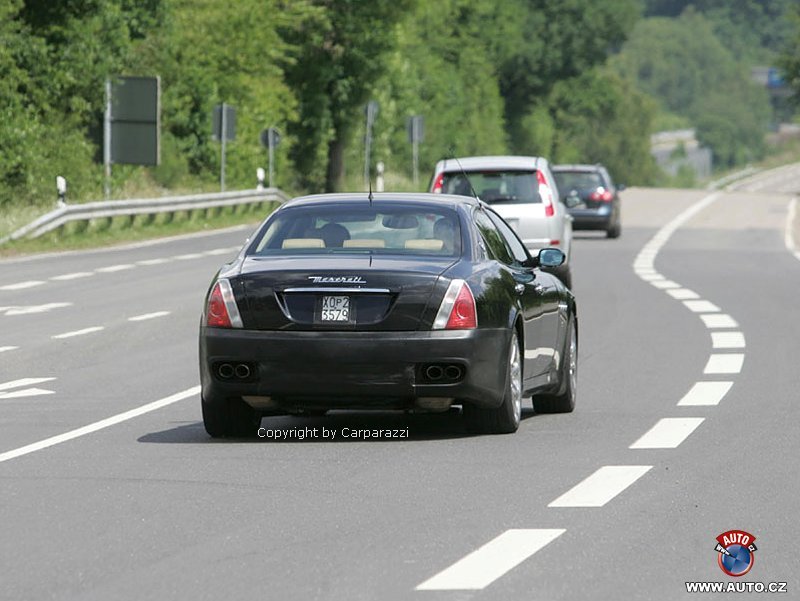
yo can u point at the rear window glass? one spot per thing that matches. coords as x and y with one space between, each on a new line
359 228
495 186
577 180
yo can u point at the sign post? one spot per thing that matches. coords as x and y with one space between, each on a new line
270 138
372 112
415 126
223 129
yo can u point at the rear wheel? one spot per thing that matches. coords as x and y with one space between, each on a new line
564 400
505 418
614 230
230 418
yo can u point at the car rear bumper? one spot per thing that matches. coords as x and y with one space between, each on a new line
353 369
592 219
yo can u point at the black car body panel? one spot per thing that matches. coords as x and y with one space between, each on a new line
599 206
387 353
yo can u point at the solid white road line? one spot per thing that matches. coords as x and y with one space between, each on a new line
148 316
602 486
78 332
22 285
724 363
115 268
788 235
668 433
7 348
105 423
701 306
72 276
719 320
486 564
727 340
23 382
705 394
682 293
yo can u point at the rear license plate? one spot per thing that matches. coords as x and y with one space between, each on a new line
335 308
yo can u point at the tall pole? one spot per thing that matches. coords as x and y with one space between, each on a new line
107 143
223 132
271 145
415 154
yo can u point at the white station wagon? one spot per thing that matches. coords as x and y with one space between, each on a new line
522 190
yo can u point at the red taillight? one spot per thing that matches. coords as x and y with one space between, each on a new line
457 311
438 183
216 312
602 195
546 194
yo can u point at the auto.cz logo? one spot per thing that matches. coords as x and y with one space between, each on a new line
735 550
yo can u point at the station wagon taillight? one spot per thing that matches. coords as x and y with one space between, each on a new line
221 309
457 311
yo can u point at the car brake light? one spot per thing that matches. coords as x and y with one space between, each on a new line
601 194
221 309
546 194
438 184
457 311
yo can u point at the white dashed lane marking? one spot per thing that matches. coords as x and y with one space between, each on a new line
668 433
664 284
719 320
724 364
188 257
727 340
705 394
486 564
72 276
11 311
22 285
682 294
701 306
148 316
6 391
602 486
7 348
78 332
148 262
115 268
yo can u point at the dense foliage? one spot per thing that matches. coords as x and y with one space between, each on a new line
518 76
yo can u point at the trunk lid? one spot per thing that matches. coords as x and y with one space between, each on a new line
353 292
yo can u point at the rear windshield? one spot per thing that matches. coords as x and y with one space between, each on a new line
495 186
351 228
577 180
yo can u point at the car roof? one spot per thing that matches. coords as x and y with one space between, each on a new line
597 167
491 162
451 200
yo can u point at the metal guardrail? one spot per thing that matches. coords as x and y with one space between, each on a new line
146 206
729 179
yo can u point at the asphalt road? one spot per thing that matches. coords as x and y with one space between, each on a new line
686 427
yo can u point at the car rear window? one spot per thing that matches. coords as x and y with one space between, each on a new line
577 180
507 186
351 228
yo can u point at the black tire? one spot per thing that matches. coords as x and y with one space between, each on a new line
505 418
563 273
564 400
615 230
230 418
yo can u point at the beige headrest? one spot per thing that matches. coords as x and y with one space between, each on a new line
364 243
422 244
303 243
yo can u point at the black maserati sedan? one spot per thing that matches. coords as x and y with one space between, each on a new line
387 301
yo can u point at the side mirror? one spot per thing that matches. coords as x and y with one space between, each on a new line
551 257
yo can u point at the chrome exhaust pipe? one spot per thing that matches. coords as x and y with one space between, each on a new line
225 371
434 372
453 372
242 371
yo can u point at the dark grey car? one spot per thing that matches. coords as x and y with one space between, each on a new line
591 196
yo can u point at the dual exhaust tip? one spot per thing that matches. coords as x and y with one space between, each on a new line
444 373
238 371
